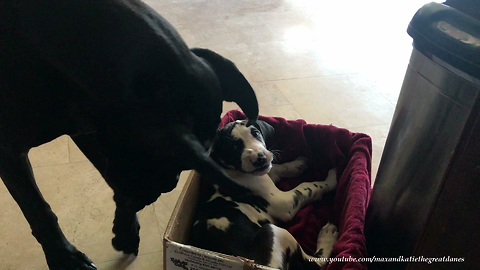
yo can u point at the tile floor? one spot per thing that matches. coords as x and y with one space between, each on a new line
328 62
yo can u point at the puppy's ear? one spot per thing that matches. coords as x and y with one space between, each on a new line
234 85
268 132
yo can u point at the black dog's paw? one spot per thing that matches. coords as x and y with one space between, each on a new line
68 258
128 245
127 237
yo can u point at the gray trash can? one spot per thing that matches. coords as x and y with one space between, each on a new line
433 122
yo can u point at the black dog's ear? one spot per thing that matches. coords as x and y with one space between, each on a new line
268 132
234 85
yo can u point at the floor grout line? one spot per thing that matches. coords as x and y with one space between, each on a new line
51 165
125 256
308 77
369 125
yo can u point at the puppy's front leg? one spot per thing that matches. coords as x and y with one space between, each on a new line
286 205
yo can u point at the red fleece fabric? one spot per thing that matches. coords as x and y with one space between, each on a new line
326 147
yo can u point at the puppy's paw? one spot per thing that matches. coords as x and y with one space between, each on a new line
328 234
326 238
331 180
301 163
293 168
296 167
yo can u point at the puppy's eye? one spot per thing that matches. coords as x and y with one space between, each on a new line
255 133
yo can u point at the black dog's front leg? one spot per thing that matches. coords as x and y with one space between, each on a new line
16 172
125 225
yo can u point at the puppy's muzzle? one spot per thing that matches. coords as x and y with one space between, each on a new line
261 163
261 160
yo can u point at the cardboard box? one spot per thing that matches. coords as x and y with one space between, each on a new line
178 255
328 145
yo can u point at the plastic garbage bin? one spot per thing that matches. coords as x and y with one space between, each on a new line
434 125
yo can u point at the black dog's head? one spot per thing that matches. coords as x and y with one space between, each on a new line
244 148
151 138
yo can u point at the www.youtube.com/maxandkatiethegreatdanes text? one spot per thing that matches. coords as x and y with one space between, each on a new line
400 259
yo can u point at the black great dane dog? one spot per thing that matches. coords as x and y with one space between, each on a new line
117 78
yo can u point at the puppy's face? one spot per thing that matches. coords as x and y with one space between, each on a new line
242 148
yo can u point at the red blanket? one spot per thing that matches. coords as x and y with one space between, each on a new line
326 147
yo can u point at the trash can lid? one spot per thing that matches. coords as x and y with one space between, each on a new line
448 34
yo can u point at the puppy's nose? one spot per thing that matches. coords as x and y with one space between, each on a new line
261 159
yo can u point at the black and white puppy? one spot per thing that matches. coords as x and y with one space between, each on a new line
244 223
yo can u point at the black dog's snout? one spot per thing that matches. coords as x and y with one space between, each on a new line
261 159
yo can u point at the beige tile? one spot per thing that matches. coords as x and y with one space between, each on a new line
84 205
83 202
240 8
389 82
268 94
290 24
196 21
346 101
142 262
217 32
163 213
164 206
277 60
51 153
286 111
19 249
191 14
308 90
349 117
188 36
250 19
151 234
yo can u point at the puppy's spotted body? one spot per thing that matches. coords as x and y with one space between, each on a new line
244 223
